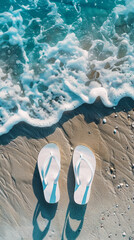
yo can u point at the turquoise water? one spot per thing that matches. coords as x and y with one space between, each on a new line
56 55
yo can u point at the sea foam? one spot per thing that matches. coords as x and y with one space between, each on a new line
55 56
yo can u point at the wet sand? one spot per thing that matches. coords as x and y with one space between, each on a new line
24 214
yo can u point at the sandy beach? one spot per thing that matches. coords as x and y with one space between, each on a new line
109 214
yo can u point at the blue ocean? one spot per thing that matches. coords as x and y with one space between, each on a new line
57 55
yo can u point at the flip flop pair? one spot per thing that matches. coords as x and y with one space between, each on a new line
84 164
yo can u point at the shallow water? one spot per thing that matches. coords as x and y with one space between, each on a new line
56 55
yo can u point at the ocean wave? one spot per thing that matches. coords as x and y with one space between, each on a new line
54 56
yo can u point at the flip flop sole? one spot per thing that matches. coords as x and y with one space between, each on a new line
51 189
86 173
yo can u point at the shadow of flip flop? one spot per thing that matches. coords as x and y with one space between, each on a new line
74 216
75 213
43 209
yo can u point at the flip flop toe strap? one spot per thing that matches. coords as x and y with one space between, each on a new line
77 167
47 164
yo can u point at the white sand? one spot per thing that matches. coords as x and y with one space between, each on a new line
24 214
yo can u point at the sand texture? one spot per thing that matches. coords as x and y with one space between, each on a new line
109 214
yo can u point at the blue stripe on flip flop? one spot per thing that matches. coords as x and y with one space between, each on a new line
53 195
43 182
85 195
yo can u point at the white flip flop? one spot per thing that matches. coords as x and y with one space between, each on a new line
49 169
84 164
